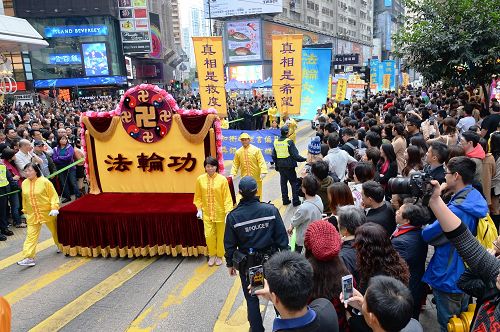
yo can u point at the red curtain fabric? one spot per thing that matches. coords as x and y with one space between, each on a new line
193 123
130 220
100 124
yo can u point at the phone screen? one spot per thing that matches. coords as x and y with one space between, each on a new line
256 276
347 287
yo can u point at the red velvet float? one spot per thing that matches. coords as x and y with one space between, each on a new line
132 225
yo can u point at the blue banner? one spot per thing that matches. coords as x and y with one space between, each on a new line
389 68
81 81
375 73
65 59
76 31
315 72
263 139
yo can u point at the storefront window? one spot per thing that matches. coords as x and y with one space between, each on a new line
78 47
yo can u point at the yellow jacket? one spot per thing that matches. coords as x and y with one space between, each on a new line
272 112
249 161
292 128
39 197
213 197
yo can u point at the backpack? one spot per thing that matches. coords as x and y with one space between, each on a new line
486 232
359 151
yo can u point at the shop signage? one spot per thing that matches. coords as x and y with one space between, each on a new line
346 59
128 36
75 31
142 47
65 59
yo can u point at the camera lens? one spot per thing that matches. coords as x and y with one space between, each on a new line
399 186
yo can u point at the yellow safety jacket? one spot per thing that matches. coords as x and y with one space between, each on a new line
281 148
3 176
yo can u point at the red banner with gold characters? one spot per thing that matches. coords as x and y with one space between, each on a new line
210 66
287 72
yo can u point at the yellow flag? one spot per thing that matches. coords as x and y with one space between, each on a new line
341 90
386 83
210 67
287 72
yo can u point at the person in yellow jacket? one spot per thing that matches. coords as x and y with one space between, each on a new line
272 112
249 161
212 198
41 206
292 127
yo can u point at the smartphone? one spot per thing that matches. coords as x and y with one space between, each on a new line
347 287
256 276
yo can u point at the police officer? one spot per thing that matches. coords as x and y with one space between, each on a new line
286 156
254 231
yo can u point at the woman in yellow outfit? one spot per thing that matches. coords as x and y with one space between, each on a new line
213 201
292 127
41 206
249 161
272 112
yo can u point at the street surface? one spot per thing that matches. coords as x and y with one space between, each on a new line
147 294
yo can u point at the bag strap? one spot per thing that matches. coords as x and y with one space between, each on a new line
314 205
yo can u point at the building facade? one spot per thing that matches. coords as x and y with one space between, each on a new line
388 16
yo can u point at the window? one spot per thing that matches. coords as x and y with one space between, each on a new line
310 20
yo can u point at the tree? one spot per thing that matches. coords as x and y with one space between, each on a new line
455 41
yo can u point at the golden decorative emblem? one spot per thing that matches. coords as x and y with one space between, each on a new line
143 96
147 137
126 116
165 115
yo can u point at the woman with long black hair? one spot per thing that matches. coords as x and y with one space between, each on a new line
387 166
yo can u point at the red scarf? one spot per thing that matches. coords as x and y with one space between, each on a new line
400 230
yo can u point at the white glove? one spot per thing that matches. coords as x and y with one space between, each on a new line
263 175
199 215
53 213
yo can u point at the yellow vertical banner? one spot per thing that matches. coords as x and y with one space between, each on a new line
406 79
287 72
210 67
341 90
386 83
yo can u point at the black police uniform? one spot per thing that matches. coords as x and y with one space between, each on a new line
259 226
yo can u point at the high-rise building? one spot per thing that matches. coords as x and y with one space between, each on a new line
388 16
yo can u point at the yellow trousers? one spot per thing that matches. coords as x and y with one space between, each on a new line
214 234
32 234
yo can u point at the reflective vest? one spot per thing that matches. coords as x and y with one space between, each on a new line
3 176
281 148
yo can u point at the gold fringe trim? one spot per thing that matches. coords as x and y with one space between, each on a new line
213 150
94 188
135 251
105 136
199 137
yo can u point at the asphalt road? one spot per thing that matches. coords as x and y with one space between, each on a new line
147 294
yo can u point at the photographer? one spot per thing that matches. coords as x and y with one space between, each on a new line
479 261
446 267
254 231
373 195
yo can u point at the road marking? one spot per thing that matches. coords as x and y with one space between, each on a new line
19 256
41 282
72 310
176 297
220 324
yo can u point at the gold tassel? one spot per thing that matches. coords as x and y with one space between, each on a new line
213 147
94 188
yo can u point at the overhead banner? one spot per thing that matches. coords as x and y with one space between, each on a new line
134 26
263 139
287 72
226 8
210 66
406 79
315 78
341 90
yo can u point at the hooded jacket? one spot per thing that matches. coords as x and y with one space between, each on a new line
446 266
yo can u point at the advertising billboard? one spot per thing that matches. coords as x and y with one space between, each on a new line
270 29
134 26
226 8
156 43
75 31
251 73
243 41
95 59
